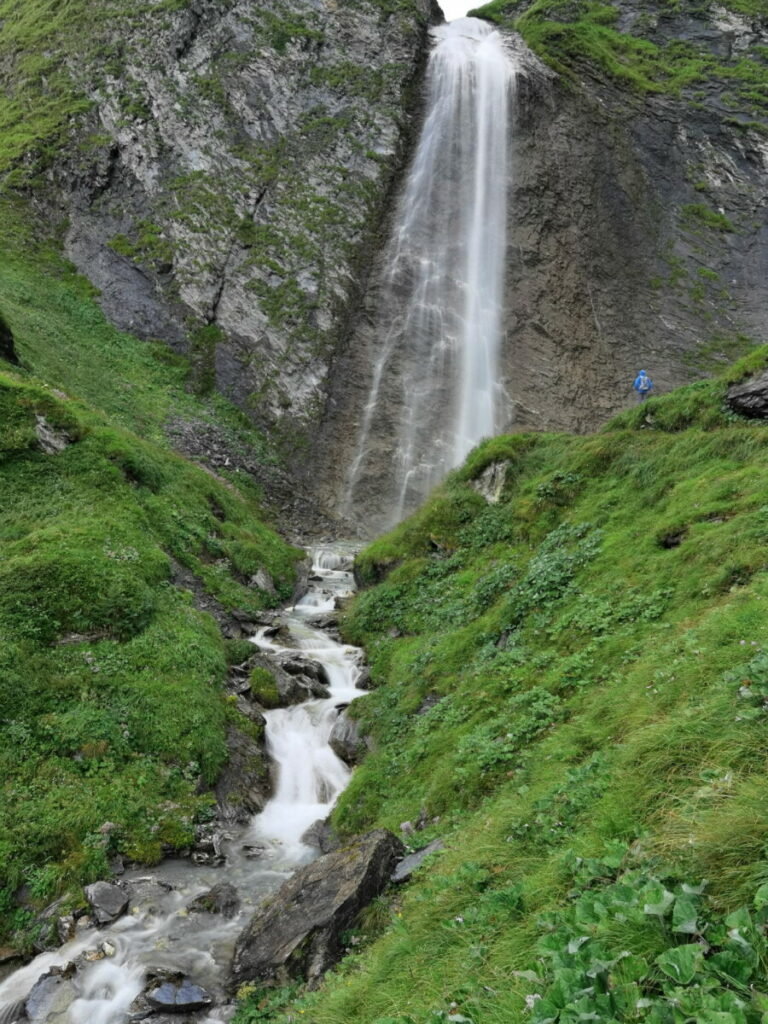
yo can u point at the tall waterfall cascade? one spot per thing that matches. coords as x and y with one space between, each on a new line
436 370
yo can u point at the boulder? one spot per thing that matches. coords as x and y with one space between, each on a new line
750 398
364 681
177 995
221 899
107 901
345 739
298 932
51 996
171 993
244 785
321 836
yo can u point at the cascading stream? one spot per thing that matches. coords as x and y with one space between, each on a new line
158 932
436 374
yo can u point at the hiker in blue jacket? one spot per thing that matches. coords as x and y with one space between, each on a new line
643 385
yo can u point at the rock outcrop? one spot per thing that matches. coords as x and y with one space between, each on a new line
230 180
297 933
750 398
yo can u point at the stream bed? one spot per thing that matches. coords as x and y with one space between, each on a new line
158 933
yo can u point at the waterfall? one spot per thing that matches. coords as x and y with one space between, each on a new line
436 372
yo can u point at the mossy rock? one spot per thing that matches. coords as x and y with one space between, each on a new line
264 688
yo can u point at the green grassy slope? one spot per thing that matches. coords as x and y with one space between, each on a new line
111 699
572 34
572 691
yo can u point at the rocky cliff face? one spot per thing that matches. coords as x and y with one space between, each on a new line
638 235
228 183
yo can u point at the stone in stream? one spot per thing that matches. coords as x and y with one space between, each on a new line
177 995
51 996
321 836
346 740
221 899
107 901
297 932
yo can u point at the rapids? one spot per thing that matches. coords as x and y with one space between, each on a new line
157 931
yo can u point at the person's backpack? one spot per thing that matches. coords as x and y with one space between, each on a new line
644 384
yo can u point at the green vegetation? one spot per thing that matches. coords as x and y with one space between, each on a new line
264 688
699 214
568 34
572 688
113 711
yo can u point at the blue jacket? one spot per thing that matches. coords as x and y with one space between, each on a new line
642 382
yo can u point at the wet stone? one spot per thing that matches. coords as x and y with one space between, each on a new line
178 996
107 901
221 899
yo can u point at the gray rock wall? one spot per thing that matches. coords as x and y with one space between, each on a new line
230 181
638 239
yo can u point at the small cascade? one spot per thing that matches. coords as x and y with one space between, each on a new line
158 932
436 372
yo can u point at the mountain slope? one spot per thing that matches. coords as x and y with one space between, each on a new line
572 689
113 720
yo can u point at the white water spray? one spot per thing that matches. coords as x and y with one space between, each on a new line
159 932
441 318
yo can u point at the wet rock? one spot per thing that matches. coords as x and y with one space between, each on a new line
107 901
364 681
148 892
221 899
51 996
346 740
750 398
208 848
66 928
408 864
244 785
297 933
321 836
51 440
296 665
177 995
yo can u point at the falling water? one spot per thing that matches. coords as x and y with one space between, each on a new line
436 373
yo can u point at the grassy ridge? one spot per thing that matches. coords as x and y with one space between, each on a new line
572 690
111 706
568 34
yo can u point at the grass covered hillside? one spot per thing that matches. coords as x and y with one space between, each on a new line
572 693
112 709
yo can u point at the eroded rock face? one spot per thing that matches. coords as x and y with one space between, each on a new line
240 162
637 238
297 934
346 740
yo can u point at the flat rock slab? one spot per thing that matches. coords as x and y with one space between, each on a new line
107 901
408 864
297 933
178 996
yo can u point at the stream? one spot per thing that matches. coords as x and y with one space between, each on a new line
158 932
